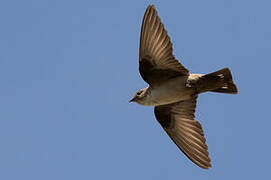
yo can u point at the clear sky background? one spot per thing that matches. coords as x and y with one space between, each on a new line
69 68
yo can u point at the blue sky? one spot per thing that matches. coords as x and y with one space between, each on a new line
68 69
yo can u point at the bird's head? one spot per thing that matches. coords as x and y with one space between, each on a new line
140 96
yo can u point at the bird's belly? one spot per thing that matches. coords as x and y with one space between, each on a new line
171 92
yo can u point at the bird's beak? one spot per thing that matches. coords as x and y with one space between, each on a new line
132 100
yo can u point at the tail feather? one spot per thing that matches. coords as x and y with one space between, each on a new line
219 81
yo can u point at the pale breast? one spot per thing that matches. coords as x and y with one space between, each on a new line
171 91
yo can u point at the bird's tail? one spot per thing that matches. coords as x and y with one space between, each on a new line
219 81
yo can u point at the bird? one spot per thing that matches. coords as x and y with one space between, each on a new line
173 90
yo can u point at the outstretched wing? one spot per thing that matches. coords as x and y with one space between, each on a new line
178 121
156 61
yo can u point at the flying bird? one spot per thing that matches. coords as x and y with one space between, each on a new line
173 91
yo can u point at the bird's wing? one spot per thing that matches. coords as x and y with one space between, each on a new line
177 120
156 61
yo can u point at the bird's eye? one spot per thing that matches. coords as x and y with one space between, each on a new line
138 93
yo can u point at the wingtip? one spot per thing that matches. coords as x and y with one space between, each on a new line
209 166
205 166
151 6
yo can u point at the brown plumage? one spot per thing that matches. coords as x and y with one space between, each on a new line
173 91
178 121
156 61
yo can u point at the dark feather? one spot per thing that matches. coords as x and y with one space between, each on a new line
177 120
156 61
